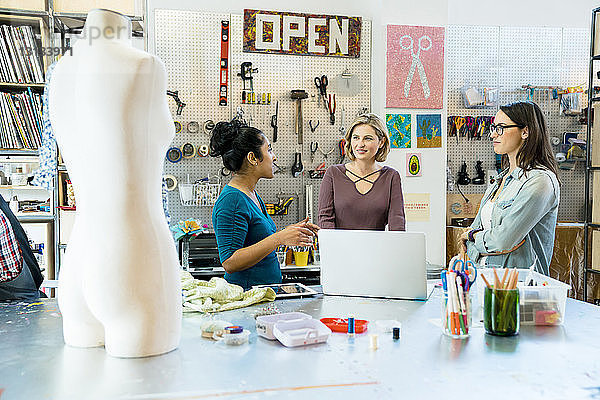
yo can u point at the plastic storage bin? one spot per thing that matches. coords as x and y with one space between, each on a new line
301 332
265 323
543 304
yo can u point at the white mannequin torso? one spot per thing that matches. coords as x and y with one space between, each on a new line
119 281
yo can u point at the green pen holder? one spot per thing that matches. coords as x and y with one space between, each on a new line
501 311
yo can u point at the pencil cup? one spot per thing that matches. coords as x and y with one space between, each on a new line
456 313
501 311
301 258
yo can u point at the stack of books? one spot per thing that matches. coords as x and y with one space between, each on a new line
19 57
20 120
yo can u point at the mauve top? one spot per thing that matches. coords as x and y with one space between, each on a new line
342 206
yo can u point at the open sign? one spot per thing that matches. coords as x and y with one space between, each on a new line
301 34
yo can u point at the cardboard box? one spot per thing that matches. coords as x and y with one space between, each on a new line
27 5
84 6
457 207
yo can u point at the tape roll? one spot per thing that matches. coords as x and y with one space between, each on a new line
203 150
188 150
193 127
171 182
178 126
174 155
209 125
561 157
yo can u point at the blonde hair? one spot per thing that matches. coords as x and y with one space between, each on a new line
378 126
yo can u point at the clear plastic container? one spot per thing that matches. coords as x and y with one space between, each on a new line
457 324
543 304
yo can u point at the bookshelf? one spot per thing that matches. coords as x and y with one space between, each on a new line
22 76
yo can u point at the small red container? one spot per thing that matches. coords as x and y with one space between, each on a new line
341 325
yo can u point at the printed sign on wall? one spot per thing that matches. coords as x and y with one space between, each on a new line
429 130
301 34
398 126
415 66
416 206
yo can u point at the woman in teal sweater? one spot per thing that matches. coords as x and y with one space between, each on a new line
246 235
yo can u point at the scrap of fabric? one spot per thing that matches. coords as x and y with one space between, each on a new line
218 295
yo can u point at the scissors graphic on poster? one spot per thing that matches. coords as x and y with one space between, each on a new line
416 63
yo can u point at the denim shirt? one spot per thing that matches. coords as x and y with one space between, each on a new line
527 209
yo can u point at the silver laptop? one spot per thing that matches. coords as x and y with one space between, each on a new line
373 263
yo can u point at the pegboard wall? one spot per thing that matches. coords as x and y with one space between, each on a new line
508 58
189 44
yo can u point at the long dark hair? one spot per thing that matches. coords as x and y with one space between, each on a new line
536 150
233 141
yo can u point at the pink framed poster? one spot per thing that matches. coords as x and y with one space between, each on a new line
415 66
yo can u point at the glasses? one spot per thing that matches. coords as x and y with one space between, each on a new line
499 129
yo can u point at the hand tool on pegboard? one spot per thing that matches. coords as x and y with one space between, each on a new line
224 67
299 95
274 121
331 107
175 95
321 84
245 73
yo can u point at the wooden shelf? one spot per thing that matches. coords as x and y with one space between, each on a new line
19 152
21 187
22 86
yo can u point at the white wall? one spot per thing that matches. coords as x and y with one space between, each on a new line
573 14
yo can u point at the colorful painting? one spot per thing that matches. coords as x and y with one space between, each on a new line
429 130
413 164
301 34
415 66
398 126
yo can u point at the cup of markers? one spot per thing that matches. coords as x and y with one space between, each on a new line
301 255
456 305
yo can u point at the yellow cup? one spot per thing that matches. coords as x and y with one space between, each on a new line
301 258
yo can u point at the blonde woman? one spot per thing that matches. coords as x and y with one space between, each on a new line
363 194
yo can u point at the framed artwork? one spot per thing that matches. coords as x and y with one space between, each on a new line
429 130
398 126
413 164
415 66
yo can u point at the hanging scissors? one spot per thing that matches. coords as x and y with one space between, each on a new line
416 63
459 122
321 84
331 107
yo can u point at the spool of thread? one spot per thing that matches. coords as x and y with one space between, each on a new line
234 329
396 333
561 157
351 325
373 341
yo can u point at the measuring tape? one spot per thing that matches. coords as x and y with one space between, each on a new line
203 150
178 126
188 150
209 125
171 182
193 127
174 155
224 63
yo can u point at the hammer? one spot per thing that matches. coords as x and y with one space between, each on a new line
298 95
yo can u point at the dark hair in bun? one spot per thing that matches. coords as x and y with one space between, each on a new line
233 141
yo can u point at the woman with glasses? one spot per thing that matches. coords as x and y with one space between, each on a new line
363 194
515 224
